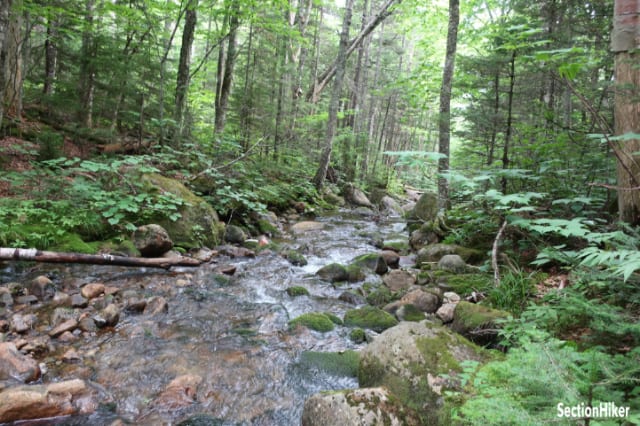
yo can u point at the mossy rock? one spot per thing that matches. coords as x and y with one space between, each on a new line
296 291
399 246
381 296
409 312
358 335
429 351
372 261
295 258
434 252
314 320
334 363
464 284
477 322
333 272
198 224
355 273
73 243
369 317
334 318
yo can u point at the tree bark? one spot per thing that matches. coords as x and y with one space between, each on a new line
332 121
625 42
87 68
5 6
14 61
313 94
509 130
444 121
182 81
51 57
222 99
33 255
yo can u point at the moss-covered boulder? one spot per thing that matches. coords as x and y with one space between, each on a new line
343 363
313 320
452 263
369 317
295 258
464 284
477 322
399 279
434 252
234 234
426 209
333 272
419 364
198 224
370 406
372 261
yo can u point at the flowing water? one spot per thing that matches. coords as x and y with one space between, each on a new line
233 335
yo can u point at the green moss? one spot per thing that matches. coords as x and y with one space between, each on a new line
381 296
400 246
265 227
372 261
334 318
334 363
295 258
358 335
464 284
355 273
74 244
296 291
411 313
369 317
472 316
314 320
333 272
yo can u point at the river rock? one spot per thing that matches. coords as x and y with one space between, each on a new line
356 197
46 401
180 392
40 286
452 263
352 298
369 317
14 365
108 317
423 236
156 305
390 206
410 359
333 272
366 407
79 301
391 258
373 261
234 234
398 279
68 325
92 290
39 346
434 252
445 312
152 240
425 301
306 226
61 299
426 209
22 323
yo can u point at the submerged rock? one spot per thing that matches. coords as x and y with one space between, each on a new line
306 226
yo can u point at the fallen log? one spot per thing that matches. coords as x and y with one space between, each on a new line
34 255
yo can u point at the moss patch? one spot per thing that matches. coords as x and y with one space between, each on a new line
334 363
295 258
358 335
464 284
470 316
314 320
296 291
369 317
372 261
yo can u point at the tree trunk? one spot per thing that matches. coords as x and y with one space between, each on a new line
444 121
509 131
87 68
33 255
182 81
625 42
332 122
313 94
5 6
14 62
222 100
51 57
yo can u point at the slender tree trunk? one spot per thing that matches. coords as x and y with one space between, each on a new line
182 82
444 121
14 58
247 104
5 6
222 101
51 57
495 121
507 136
625 43
332 122
373 113
87 67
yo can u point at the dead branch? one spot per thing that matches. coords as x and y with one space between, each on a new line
494 254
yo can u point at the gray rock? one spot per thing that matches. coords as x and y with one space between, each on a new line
363 407
78 301
426 209
23 323
423 300
234 235
399 279
333 272
452 263
152 240
156 305
306 226
356 197
41 286
445 312
68 325
109 316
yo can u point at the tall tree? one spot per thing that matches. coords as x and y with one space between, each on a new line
88 66
332 122
14 61
5 7
625 43
444 121
183 78
226 64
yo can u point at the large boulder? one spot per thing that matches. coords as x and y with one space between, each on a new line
373 261
434 252
369 317
419 363
198 224
426 209
152 240
368 406
399 279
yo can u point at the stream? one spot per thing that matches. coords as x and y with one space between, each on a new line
233 334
